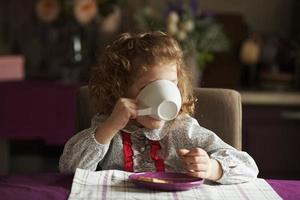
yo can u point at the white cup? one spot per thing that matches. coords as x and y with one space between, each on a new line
160 99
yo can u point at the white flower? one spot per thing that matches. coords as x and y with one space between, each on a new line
188 25
173 18
181 35
149 11
47 10
172 28
85 10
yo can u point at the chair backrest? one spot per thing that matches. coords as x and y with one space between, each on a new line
220 110
217 109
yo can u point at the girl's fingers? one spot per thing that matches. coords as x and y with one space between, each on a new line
129 100
129 103
201 174
195 159
191 154
197 167
132 106
182 152
133 113
132 100
196 152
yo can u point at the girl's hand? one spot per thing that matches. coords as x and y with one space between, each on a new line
124 110
198 164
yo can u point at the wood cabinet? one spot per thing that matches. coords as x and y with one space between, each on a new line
271 133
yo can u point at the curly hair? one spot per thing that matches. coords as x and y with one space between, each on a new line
127 57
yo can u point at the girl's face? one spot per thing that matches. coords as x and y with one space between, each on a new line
157 72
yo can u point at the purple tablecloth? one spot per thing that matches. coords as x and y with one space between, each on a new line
37 110
35 186
57 186
287 189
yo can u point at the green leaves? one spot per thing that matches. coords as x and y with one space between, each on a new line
203 58
201 36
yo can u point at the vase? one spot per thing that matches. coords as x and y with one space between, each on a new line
72 69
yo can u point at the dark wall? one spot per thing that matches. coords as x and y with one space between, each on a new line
16 20
265 16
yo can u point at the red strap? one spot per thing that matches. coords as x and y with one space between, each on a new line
159 163
128 153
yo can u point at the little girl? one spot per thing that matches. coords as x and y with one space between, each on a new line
119 139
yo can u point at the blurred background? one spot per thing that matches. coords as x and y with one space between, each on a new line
47 48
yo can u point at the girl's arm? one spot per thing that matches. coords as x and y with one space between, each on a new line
237 166
83 150
87 148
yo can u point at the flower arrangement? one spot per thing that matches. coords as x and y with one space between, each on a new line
68 34
83 12
199 34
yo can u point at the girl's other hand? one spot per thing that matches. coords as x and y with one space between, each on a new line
124 110
199 164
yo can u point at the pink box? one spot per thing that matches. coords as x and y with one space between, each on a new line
11 67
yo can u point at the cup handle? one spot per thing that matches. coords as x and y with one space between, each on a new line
146 111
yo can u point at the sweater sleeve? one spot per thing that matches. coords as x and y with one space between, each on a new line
82 150
238 166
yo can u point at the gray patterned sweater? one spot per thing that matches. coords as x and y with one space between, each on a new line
83 151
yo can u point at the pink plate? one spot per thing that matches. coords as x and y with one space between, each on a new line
175 181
